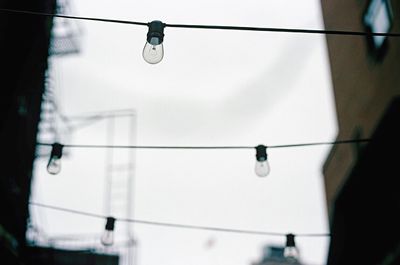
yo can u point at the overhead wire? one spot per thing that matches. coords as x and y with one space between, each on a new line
215 27
35 13
208 147
177 225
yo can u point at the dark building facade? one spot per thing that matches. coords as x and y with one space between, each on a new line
274 255
361 180
24 42
24 51
53 256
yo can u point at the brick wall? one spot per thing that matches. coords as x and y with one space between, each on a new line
363 86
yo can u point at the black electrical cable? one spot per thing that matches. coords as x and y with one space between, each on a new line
352 141
219 27
147 146
175 225
206 147
286 30
26 12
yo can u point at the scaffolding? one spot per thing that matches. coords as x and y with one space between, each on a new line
119 173
66 33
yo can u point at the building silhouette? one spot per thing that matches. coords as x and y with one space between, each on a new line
24 44
274 255
24 50
361 180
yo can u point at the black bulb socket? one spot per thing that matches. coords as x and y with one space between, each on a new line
261 153
156 30
110 223
290 240
56 150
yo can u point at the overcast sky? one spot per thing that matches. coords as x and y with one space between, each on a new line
212 88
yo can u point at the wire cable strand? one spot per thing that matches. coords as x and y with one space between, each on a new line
207 147
351 141
217 27
148 146
286 30
176 225
26 12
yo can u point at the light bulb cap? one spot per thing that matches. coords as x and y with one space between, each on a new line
56 150
261 153
290 240
156 30
110 223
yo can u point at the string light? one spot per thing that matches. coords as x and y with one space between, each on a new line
54 164
177 226
107 239
262 167
291 252
153 51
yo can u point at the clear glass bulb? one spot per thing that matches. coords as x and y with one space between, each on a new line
291 253
54 165
153 52
262 168
107 239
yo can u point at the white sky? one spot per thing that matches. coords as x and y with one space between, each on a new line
212 88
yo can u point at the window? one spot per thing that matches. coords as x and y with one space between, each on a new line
378 18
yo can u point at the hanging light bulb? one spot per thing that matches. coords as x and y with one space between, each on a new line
107 239
153 51
54 165
291 252
262 166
